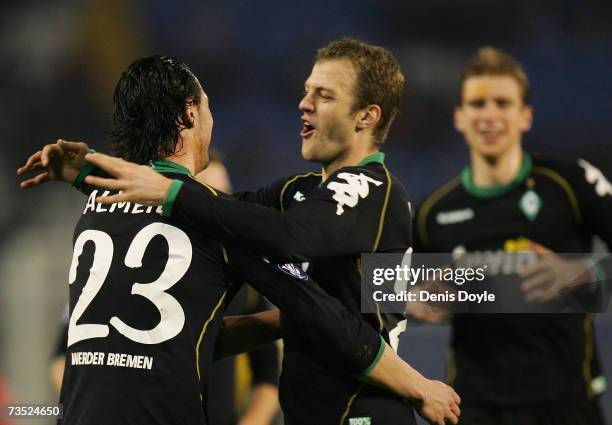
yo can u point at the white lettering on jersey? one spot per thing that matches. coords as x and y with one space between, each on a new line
594 176
348 193
91 202
299 196
125 207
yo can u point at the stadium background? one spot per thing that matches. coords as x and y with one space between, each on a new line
61 59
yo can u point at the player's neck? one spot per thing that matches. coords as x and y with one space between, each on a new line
501 170
186 159
351 156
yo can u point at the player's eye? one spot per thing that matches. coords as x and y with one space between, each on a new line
477 103
503 103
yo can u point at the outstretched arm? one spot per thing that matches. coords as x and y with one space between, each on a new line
61 161
322 226
435 401
340 338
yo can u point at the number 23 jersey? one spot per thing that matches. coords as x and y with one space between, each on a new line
146 300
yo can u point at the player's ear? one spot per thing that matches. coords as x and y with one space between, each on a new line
188 118
368 117
458 119
526 118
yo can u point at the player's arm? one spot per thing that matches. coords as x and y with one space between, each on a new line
263 403
269 196
434 400
264 364
320 227
594 192
60 161
341 339
589 278
241 334
58 359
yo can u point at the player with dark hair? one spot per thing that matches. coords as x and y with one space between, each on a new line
355 205
512 369
229 399
141 352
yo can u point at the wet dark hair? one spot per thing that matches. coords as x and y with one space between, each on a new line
150 103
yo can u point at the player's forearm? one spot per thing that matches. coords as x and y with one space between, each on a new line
249 225
397 376
341 338
265 364
262 407
56 372
245 333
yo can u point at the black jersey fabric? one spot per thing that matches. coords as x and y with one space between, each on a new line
226 378
221 403
147 294
512 360
326 225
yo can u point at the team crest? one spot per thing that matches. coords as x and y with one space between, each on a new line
530 204
349 193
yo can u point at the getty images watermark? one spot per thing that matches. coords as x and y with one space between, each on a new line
484 282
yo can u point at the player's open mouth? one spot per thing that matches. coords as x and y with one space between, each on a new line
307 129
490 135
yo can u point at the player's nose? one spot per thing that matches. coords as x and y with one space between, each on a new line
490 108
306 104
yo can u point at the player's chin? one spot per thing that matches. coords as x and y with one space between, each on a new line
491 148
308 150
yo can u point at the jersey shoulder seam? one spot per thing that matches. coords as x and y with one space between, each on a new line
383 212
557 178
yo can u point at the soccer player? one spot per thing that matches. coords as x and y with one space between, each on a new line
140 352
355 205
226 378
512 369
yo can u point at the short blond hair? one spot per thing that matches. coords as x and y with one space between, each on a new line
492 61
379 78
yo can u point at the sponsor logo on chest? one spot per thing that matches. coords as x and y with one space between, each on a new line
363 420
456 216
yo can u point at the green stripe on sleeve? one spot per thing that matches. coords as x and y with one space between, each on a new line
171 197
379 355
85 171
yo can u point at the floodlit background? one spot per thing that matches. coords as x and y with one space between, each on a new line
60 60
